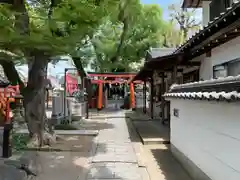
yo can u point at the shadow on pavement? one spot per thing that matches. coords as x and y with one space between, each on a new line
69 158
159 160
149 131
170 167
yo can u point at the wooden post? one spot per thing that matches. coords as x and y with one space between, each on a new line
151 101
145 97
174 75
181 79
163 88
7 146
132 96
100 96
47 98
82 83
106 98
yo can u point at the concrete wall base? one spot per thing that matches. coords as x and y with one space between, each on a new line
193 170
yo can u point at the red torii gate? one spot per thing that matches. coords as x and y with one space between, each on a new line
100 81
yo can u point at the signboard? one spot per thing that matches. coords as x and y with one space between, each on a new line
176 112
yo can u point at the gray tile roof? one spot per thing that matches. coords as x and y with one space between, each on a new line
158 52
222 89
228 96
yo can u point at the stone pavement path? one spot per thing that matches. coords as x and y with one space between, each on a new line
114 156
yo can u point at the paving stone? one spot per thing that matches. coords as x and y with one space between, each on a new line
101 172
105 150
115 157
104 164
104 158
8 172
125 158
127 171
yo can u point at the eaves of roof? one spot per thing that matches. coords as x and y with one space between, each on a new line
192 4
162 62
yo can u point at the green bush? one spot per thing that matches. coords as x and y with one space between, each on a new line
19 141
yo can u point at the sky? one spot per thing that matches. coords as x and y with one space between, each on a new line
163 4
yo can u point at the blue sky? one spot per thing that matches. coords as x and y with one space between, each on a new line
163 4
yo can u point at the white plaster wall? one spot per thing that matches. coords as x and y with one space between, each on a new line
205 12
206 69
209 134
226 52
221 54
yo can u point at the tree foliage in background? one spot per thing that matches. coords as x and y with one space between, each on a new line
185 18
119 42
171 37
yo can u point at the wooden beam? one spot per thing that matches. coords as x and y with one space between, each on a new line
170 70
112 75
159 68
213 45
114 82
209 53
226 38
191 63
216 35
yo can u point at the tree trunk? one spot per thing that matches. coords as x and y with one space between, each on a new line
115 58
34 100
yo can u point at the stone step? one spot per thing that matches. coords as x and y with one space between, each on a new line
150 141
152 132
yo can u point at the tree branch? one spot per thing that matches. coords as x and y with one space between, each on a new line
122 38
12 74
77 62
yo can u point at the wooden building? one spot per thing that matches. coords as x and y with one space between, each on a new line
203 109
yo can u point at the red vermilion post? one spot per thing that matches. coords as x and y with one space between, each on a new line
100 95
5 92
132 96
7 117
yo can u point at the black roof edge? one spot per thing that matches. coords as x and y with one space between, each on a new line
184 6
